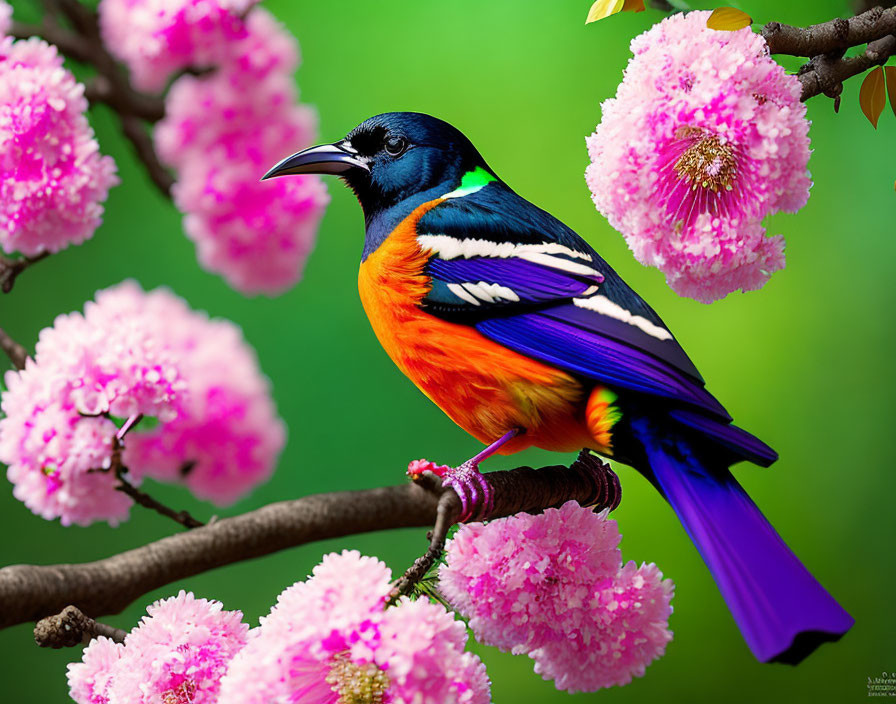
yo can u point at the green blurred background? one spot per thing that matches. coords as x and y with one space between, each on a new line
806 363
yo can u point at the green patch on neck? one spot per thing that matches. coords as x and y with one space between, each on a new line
471 182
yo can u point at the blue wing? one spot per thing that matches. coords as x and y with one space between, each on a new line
527 281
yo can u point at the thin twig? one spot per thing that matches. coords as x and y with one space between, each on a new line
11 268
147 501
17 353
141 497
447 511
72 627
147 107
135 130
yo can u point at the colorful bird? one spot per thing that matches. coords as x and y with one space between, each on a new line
515 327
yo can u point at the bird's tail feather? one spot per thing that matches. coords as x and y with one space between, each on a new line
780 608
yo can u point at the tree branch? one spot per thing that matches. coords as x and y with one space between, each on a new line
147 501
826 44
135 130
824 75
72 627
836 35
31 592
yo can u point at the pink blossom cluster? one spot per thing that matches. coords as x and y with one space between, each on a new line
226 435
330 639
553 586
176 655
222 132
53 180
156 38
133 353
705 138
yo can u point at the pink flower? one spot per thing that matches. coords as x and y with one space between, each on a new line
53 179
624 629
330 640
553 586
176 655
5 17
156 38
222 132
706 137
90 679
107 361
136 353
202 112
226 433
514 578
257 234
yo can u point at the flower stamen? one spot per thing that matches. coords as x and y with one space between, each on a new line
356 683
707 163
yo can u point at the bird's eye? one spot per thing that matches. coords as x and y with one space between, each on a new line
395 146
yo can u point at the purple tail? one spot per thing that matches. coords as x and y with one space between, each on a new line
780 608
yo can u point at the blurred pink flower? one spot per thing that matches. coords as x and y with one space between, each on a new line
5 16
330 640
204 111
53 179
156 38
256 234
90 679
706 137
222 132
226 429
132 353
176 655
553 586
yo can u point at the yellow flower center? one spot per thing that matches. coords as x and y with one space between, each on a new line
708 162
357 684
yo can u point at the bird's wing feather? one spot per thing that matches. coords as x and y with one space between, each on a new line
524 279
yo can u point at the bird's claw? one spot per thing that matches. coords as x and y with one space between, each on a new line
475 494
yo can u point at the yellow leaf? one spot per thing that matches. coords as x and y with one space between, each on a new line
872 98
891 85
633 6
602 9
728 19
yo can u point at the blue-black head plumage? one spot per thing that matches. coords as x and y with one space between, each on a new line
408 154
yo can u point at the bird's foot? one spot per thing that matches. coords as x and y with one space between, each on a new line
475 494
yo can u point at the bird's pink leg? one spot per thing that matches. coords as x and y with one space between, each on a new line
468 482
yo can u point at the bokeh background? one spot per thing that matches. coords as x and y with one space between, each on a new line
807 363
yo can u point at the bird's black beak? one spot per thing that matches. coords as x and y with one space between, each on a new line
337 159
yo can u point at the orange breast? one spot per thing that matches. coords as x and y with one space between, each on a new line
484 387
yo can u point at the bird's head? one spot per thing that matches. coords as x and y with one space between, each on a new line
390 158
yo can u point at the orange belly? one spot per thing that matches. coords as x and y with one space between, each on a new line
484 387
